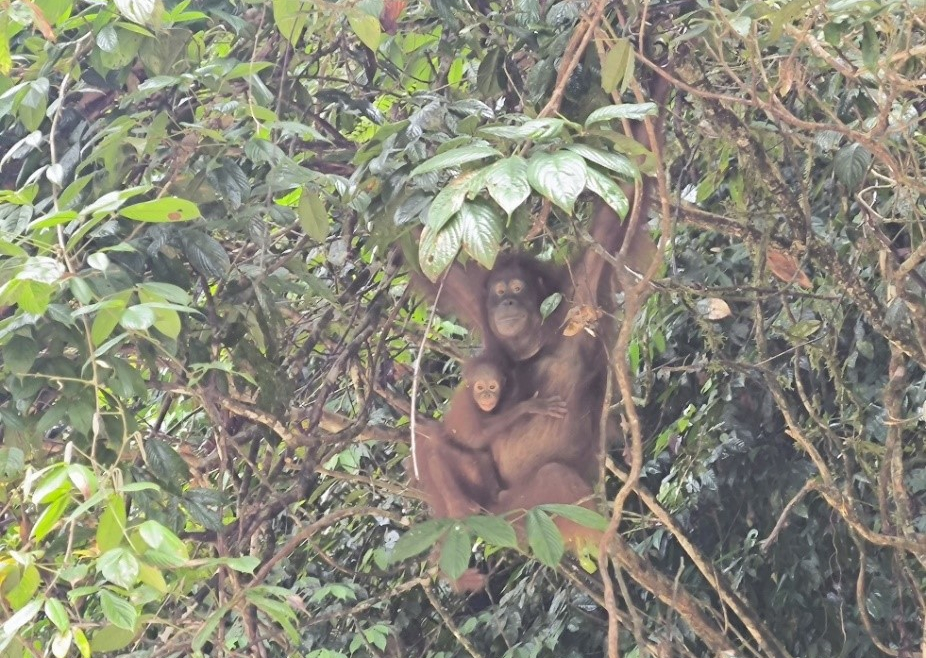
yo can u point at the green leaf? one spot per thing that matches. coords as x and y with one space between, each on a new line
111 638
455 551
164 291
559 176
84 479
448 202
52 486
119 567
482 232
455 158
41 269
290 19
313 215
168 209
617 66
168 322
438 248
25 589
741 25
12 250
32 297
804 329
540 79
494 530
367 29
544 538
82 643
625 111
206 254
507 183
49 517
57 614
282 613
98 261
55 219
418 539
6 58
111 528
208 628
17 621
851 163
106 320
143 12
247 69
244 564
112 201
19 354
871 47
160 537
550 304
153 577
118 611
609 191
165 463
34 103
538 130
616 162
61 644
138 318
12 463
491 68
578 514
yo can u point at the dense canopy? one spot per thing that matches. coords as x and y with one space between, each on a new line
210 350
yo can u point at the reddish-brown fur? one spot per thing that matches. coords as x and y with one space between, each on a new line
542 458
456 481
471 427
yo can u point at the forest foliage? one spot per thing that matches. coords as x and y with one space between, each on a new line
208 345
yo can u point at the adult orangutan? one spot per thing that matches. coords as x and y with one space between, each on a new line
545 458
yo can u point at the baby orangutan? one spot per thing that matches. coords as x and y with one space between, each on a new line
489 405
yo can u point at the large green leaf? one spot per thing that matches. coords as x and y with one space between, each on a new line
448 202
437 249
290 18
609 191
626 111
118 611
111 638
119 566
138 318
538 130
167 209
366 28
418 539
851 163
455 158
206 254
159 537
581 515
507 183
456 550
494 530
17 621
617 68
313 215
616 162
559 176
481 228
145 12
544 538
